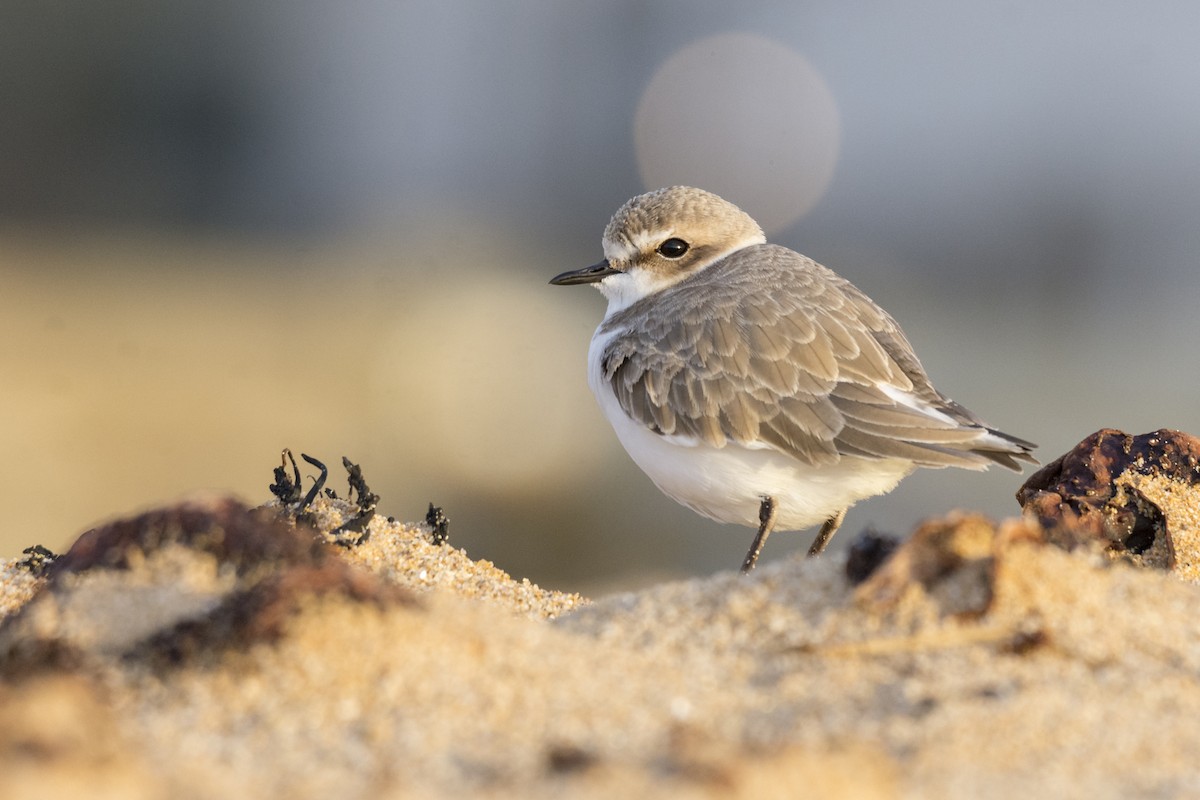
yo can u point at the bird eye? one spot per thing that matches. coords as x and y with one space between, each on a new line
673 248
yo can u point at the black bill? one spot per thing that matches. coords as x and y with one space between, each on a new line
592 274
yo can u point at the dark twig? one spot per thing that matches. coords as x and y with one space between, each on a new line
439 524
37 559
285 488
366 499
315 490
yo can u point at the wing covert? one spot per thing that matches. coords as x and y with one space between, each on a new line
766 348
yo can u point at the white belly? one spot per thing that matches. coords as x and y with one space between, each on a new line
728 484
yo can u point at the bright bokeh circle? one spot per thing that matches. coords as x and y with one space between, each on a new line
743 116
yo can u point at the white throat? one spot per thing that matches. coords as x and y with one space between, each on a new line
626 288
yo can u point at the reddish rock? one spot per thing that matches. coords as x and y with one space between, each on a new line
236 535
274 567
1082 496
952 560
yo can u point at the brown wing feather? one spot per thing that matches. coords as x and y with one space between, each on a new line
769 347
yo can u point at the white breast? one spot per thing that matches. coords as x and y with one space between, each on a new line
727 484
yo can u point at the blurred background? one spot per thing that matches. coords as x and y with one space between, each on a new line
232 227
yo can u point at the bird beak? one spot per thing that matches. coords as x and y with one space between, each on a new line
592 274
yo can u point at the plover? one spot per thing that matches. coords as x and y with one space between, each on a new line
754 385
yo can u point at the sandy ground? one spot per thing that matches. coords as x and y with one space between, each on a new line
977 662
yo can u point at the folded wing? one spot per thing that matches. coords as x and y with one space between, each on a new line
769 349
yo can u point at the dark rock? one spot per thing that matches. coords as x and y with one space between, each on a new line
1085 495
867 552
117 592
248 540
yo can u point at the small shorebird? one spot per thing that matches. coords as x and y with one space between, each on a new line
752 384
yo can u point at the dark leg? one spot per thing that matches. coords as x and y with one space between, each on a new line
826 533
766 521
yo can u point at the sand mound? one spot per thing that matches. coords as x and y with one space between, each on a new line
210 650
